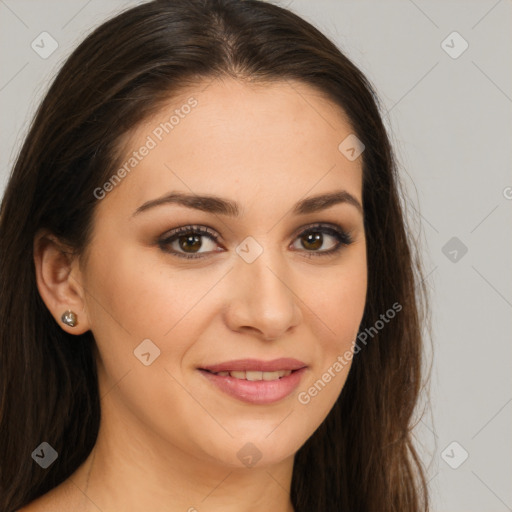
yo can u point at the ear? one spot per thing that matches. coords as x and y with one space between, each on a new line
59 280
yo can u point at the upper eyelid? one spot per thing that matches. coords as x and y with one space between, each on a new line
208 231
322 225
201 230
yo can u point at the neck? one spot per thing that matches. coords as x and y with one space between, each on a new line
131 469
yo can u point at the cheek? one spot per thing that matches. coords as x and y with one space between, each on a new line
337 309
135 296
145 298
145 301
337 297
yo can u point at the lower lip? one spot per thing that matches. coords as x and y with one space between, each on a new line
258 391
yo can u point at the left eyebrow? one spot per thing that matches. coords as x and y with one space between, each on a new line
215 204
324 201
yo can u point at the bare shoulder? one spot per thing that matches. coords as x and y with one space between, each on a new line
63 498
45 503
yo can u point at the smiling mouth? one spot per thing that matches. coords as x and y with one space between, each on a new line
247 381
254 375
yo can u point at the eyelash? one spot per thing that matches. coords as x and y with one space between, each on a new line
343 238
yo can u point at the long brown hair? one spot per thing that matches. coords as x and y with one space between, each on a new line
361 458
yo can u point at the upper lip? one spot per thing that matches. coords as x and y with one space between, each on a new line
258 365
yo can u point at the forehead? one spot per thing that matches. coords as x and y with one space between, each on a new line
277 138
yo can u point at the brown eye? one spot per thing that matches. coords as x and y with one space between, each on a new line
313 239
187 241
190 243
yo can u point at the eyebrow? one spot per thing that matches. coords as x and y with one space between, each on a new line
218 205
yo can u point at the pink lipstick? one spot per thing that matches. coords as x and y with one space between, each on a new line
256 381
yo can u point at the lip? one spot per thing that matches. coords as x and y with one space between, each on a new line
256 392
257 365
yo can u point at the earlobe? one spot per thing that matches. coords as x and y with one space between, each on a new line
58 282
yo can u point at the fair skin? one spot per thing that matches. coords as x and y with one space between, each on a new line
168 438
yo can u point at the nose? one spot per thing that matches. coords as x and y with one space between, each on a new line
262 299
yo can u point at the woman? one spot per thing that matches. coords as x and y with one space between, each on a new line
209 299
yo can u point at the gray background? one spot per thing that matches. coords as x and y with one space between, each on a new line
450 122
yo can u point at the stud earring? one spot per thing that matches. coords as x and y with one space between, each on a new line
69 318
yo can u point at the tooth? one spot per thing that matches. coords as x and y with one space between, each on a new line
254 375
272 375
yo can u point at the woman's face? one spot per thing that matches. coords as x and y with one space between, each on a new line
272 281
